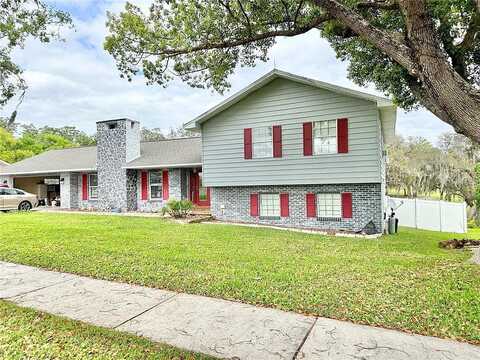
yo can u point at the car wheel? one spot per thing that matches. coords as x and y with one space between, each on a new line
25 206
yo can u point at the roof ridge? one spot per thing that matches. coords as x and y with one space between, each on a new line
71 147
172 139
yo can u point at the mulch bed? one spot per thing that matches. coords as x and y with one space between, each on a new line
458 243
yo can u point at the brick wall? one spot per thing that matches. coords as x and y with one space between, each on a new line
233 204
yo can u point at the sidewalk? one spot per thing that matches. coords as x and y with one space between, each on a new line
216 327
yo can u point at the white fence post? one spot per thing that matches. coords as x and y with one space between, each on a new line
416 212
440 212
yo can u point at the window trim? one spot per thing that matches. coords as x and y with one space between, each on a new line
254 156
269 217
150 184
328 218
90 187
314 153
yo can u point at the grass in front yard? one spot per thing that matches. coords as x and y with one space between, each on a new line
29 334
403 282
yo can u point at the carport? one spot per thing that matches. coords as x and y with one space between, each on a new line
45 186
53 175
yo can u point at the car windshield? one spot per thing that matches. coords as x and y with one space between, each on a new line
11 192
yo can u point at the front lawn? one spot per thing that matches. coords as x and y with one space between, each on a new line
403 282
29 334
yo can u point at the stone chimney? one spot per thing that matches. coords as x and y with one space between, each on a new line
118 142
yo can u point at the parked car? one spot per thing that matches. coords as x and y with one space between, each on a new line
15 199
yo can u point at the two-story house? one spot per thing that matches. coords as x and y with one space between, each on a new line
286 150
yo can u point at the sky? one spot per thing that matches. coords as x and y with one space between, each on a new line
75 82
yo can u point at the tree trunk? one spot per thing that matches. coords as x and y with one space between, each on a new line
433 80
445 93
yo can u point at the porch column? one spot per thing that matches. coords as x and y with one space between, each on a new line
69 190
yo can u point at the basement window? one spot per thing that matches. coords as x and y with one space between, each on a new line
270 205
329 206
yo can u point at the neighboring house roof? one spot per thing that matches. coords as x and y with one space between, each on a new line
386 106
167 153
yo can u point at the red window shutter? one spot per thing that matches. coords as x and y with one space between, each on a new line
144 183
253 204
277 141
84 187
284 206
347 205
247 143
165 185
311 205
342 135
307 139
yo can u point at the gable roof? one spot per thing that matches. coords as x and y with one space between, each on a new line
386 106
3 163
166 153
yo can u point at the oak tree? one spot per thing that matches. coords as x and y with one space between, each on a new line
19 21
418 51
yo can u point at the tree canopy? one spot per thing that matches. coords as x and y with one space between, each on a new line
418 168
420 52
21 141
33 141
19 21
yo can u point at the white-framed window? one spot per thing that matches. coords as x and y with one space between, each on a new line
92 186
325 137
262 142
155 181
329 205
270 205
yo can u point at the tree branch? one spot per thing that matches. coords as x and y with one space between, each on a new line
255 37
472 32
246 18
379 4
383 40
297 12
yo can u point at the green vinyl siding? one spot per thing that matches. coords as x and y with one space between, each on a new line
290 104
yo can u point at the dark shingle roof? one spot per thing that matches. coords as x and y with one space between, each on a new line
173 152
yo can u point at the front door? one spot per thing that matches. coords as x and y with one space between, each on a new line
199 194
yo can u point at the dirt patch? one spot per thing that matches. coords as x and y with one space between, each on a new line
458 243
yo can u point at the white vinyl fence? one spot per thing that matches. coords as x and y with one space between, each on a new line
432 215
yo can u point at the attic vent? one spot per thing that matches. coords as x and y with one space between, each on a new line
112 126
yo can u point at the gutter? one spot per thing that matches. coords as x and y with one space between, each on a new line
162 166
47 172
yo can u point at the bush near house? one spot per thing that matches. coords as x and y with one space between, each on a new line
178 208
403 282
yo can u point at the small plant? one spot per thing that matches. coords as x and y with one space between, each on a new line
178 208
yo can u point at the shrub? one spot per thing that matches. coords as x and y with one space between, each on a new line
178 208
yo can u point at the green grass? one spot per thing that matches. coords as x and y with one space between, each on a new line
29 334
403 282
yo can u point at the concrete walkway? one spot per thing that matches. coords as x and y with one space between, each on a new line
216 327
